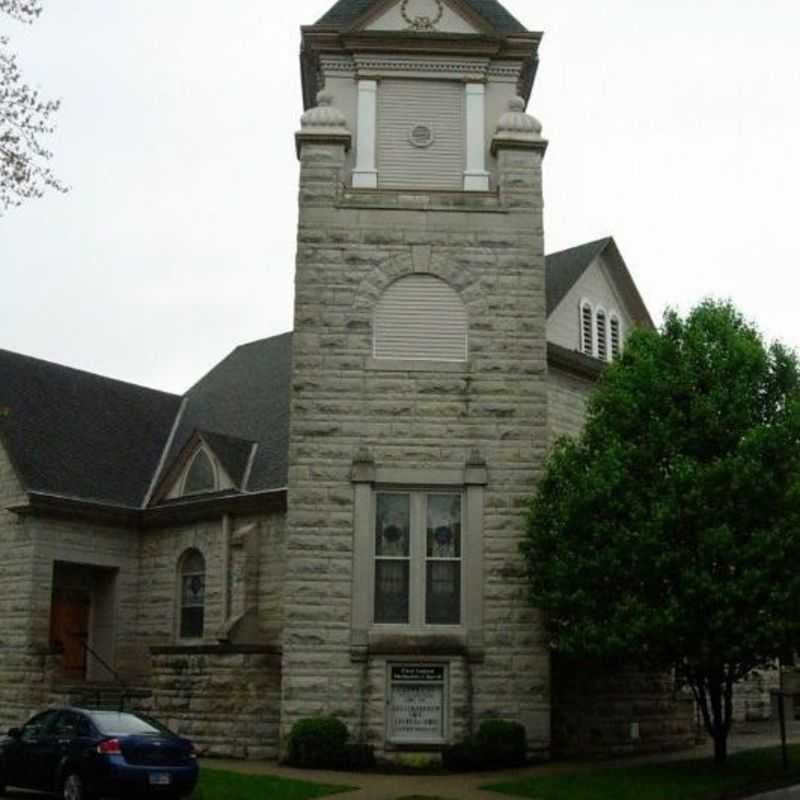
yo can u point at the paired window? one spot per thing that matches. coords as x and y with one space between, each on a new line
418 557
192 588
600 332
422 318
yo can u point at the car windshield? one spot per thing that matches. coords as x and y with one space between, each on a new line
118 723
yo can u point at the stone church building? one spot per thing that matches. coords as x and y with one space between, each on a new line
328 521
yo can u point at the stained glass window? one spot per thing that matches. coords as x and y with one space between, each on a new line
443 567
392 558
193 595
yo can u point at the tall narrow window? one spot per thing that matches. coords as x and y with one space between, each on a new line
192 595
587 333
616 337
201 476
602 335
392 558
443 560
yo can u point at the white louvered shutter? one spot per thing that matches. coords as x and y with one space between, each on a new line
406 107
420 317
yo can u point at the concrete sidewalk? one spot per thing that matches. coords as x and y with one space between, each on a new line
467 787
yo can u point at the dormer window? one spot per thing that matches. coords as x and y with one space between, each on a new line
201 476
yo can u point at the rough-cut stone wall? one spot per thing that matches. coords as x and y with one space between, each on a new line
600 711
228 704
751 697
17 656
350 248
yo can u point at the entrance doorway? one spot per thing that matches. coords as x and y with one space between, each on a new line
82 614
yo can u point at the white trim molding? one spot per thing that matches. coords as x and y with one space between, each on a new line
476 178
365 173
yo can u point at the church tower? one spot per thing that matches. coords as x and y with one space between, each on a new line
418 396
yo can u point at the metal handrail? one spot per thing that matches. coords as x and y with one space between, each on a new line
121 683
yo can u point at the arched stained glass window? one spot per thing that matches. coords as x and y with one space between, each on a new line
192 580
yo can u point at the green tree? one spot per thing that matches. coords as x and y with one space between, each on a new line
668 533
25 118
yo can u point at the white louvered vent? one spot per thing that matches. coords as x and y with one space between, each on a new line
602 336
407 161
420 317
587 335
615 337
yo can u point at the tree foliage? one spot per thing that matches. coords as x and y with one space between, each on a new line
668 533
25 118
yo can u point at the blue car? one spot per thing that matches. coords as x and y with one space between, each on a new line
83 754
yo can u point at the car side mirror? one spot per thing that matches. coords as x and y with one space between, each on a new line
14 733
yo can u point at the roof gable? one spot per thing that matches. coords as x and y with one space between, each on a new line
565 268
345 14
75 434
441 16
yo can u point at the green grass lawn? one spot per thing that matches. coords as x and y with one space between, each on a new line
219 785
676 780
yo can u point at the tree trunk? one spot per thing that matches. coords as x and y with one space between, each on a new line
714 697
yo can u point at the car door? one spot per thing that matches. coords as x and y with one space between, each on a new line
36 738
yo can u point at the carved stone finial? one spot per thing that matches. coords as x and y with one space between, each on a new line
516 129
516 121
323 124
324 115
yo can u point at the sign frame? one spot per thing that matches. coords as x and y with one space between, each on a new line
420 675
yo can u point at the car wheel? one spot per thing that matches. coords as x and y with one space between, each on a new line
75 788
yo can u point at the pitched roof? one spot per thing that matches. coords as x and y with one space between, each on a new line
77 434
245 397
564 269
346 12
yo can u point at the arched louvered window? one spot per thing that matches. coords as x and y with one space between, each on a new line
420 317
192 589
201 476
616 336
587 328
601 327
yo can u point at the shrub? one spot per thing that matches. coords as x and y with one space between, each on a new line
318 743
359 757
499 744
502 744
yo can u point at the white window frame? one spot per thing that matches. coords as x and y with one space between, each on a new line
598 311
417 561
582 306
614 317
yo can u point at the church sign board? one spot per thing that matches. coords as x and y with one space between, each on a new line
417 703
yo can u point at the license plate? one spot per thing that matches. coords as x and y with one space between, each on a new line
160 779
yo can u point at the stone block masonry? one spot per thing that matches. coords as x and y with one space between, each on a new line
351 247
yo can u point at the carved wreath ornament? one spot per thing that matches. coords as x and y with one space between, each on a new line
421 23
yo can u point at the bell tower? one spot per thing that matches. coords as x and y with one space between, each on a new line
419 399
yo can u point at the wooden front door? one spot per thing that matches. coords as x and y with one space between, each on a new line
69 628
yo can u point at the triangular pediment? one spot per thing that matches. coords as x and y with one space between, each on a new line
423 16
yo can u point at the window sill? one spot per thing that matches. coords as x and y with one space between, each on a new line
414 365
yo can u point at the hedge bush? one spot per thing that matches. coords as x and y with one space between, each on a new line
318 743
499 744
321 743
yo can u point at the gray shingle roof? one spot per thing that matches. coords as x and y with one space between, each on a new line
233 453
246 396
566 267
76 434
345 12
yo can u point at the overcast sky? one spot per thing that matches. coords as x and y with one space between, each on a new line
673 126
